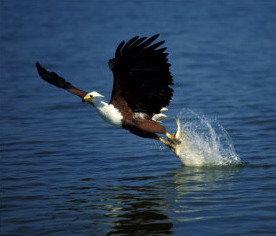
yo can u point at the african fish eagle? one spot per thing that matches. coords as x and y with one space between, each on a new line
141 89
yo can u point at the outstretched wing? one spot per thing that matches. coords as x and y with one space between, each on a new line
141 75
54 79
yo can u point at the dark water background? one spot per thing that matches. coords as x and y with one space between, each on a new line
66 172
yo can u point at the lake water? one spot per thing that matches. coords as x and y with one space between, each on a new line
66 172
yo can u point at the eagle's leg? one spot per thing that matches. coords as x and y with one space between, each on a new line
176 136
172 138
166 142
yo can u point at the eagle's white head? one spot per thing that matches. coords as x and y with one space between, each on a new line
93 97
107 111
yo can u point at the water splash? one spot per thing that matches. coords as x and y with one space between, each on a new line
204 142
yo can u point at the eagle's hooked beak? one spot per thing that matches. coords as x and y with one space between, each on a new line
87 98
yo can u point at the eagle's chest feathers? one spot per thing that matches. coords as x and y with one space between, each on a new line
110 114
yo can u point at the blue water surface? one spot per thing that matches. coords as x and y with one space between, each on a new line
66 172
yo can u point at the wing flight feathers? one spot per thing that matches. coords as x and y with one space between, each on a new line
54 79
142 77
149 41
119 48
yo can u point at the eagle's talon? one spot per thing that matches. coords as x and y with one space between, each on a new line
174 141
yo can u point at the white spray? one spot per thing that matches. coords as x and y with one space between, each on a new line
204 142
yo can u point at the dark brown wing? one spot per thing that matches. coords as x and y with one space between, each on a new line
54 79
141 75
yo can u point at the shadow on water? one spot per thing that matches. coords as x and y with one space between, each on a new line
136 208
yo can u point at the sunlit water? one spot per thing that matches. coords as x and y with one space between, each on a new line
64 171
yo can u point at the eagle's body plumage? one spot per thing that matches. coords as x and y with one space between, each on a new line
141 88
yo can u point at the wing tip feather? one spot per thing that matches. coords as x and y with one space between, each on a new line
136 44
